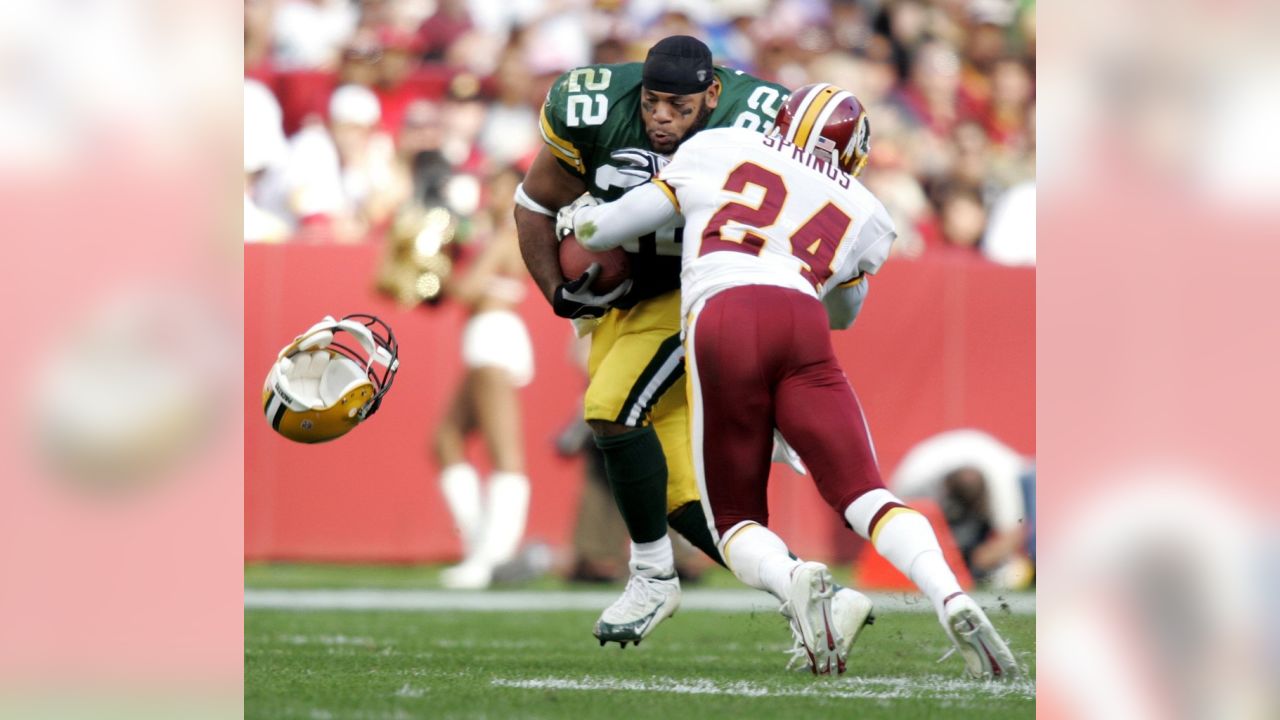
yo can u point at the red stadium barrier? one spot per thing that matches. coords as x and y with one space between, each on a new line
941 344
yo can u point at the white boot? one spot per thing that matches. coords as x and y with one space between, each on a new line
502 528
460 485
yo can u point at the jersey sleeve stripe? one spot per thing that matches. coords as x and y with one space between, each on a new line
810 118
666 189
561 148
852 283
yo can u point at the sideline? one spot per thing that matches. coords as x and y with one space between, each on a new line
554 600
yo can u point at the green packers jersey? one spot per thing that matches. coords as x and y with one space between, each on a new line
591 123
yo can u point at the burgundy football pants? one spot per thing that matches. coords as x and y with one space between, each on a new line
760 357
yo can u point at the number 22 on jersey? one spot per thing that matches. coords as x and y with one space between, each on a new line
814 243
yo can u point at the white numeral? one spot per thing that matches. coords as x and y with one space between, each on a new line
589 79
764 98
594 109
747 119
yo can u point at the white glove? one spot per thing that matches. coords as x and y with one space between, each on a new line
784 453
564 218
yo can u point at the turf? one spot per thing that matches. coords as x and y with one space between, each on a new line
699 664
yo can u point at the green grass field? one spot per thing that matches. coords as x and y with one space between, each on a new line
375 664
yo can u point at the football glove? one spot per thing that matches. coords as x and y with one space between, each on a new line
574 299
564 218
639 164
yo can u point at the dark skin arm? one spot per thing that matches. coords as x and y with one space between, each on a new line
552 187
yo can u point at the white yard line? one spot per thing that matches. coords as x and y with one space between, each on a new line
543 601
883 688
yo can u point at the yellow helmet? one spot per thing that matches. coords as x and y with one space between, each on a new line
319 389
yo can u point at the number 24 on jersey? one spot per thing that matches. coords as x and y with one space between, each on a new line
814 243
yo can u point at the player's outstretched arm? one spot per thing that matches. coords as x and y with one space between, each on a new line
639 212
549 186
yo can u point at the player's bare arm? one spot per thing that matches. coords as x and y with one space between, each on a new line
552 187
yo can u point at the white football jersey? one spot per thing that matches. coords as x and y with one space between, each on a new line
760 211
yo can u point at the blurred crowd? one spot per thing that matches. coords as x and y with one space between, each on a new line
358 111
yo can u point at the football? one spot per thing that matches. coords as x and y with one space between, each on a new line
575 259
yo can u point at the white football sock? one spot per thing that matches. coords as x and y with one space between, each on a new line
653 559
759 558
461 488
904 538
506 510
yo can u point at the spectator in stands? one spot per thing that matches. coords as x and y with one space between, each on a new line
310 33
1011 94
930 98
986 490
984 45
400 50
962 217
970 156
361 58
343 179
264 154
510 126
905 23
421 148
257 39
437 33
1011 234
928 70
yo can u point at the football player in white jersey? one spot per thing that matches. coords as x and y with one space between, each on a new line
779 240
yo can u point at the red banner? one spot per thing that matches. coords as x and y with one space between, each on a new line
940 344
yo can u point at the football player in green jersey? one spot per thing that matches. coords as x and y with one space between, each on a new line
608 128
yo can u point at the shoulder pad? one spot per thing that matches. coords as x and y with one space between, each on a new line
578 105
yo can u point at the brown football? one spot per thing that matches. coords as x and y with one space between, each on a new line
575 259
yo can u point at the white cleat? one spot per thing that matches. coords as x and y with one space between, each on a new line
808 607
986 656
645 602
850 614
851 611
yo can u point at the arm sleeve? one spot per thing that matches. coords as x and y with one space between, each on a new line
882 229
844 302
639 212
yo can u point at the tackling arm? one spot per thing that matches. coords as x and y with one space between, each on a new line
641 211
550 186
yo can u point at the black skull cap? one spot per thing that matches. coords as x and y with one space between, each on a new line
678 64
